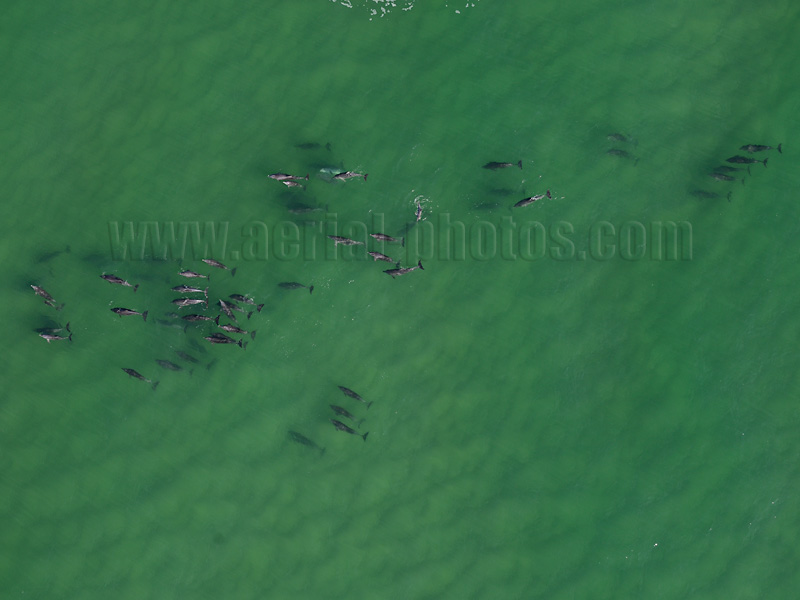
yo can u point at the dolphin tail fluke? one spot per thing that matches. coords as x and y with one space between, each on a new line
729 196
403 242
765 162
233 271
67 327
155 385
548 194
217 320
365 436
365 176
253 334
419 264
519 164
311 290
70 337
250 314
779 148
136 287
369 404
259 307
144 316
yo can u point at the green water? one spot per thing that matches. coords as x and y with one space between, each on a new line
547 428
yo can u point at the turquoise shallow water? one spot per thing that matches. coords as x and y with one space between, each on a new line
560 427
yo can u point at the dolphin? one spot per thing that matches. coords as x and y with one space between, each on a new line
119 281
350 393
342 427
493 166
532 199
758 148
127 312
301 439
137 375
402 271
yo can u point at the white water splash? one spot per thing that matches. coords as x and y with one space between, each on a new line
381 8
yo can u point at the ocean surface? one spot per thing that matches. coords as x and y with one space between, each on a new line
594 396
